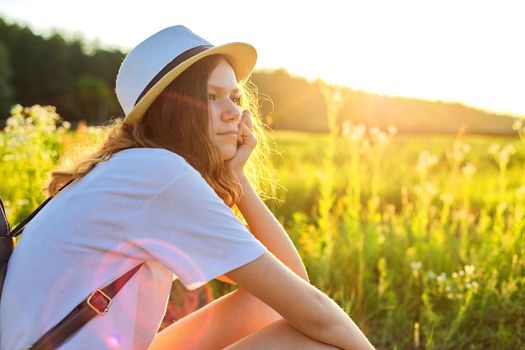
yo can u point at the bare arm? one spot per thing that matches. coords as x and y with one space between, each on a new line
261 222
269 279
304 306
267 229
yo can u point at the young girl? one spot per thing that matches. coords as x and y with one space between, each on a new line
160 191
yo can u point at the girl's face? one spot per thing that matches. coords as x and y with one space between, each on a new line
224 109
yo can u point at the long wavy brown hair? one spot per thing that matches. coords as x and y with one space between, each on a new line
178 121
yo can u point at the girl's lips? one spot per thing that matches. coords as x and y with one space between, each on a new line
230 135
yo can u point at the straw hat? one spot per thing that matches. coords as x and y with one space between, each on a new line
154 63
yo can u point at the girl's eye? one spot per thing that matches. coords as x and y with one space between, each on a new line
236 100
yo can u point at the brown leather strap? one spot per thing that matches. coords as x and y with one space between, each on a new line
97 303
20 227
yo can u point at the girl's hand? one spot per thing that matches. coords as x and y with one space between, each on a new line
245 144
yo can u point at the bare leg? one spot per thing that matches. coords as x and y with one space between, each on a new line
276 336
236 317
218 324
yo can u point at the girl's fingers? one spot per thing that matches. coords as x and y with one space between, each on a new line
246 129
245 134
249 121
247 118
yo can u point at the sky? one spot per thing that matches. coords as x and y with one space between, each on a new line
471 52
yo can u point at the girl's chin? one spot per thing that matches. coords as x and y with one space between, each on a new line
228 153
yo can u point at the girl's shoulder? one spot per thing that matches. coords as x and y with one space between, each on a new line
148 164
151 157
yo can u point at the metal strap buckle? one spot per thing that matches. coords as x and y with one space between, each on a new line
98 294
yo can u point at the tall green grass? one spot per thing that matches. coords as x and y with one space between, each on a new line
419 238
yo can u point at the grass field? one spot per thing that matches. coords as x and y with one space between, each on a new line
419 238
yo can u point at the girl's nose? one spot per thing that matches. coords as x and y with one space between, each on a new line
231 112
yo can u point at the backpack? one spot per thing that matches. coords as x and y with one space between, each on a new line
7 244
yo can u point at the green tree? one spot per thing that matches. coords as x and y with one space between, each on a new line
94 97
6 91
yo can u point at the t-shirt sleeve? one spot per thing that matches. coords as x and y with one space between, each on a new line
194 233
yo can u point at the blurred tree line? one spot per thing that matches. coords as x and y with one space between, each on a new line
80 83
57 72
299 105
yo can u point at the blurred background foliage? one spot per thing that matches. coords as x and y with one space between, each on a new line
420 239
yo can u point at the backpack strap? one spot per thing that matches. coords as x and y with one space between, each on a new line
97 303
5 228
20 227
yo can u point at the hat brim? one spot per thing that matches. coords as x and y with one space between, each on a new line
242 55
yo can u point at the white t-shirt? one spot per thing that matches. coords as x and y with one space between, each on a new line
142 205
